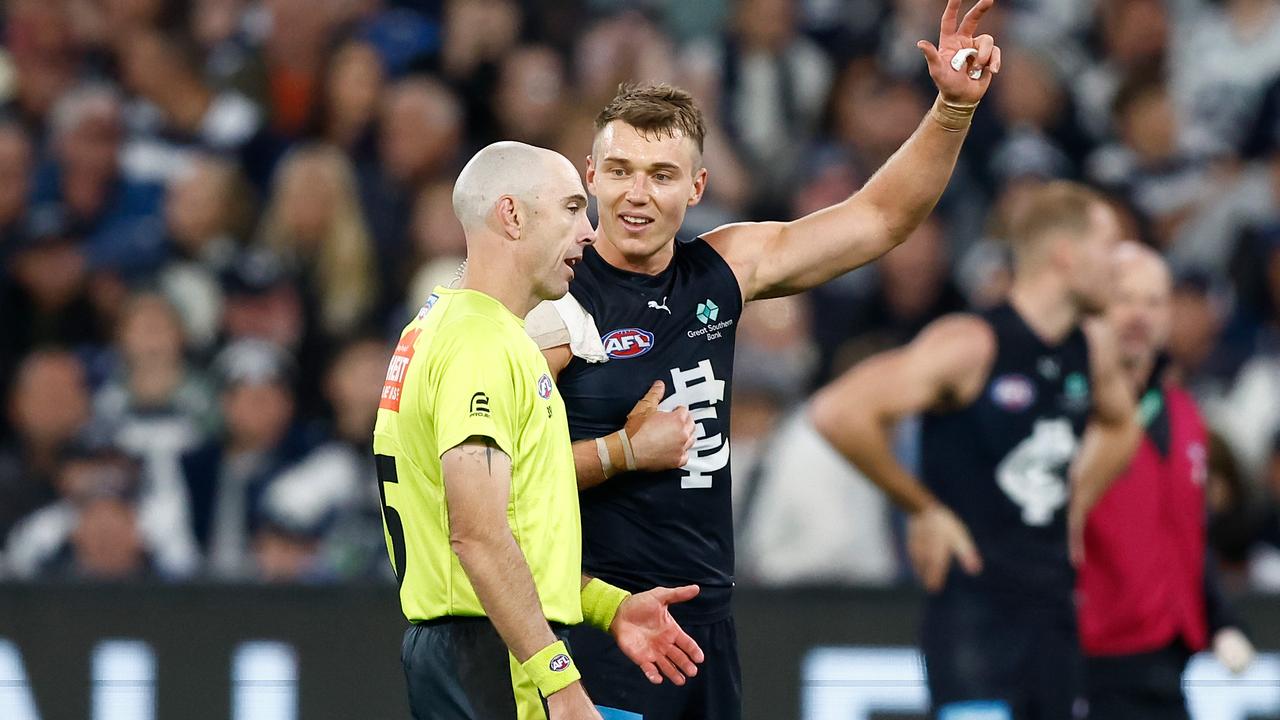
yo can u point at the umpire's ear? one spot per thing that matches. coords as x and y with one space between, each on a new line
509 216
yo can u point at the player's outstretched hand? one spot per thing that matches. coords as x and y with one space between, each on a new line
646 633
1233 650
660 440
571 703
964 80
934 536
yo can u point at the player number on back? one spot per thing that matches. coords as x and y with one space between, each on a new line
1031 475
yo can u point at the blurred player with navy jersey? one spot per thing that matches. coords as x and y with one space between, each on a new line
653 320
1027 417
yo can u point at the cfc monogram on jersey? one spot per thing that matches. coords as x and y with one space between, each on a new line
674 527
1001 463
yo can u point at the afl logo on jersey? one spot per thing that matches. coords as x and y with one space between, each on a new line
544 387
627 343
1013 392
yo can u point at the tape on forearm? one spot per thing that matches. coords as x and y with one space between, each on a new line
600 603
551 668
953 117
616 454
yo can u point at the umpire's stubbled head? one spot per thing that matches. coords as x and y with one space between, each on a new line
524 212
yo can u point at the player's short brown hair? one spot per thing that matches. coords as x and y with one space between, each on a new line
1058 206
654 109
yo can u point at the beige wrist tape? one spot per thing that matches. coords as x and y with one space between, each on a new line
615 453
953 117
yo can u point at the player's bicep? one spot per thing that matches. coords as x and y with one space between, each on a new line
477 488
944 365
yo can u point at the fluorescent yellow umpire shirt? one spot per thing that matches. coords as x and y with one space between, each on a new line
465 367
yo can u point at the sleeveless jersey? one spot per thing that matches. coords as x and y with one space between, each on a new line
1001 462
675 527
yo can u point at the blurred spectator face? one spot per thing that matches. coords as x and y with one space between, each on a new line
52 272
198 203
530 95
50 402
151 64
436 230
353 387
1141 310
273 314
151 332
354 85
15 172
215 21
874 116
478 31
1134 31
107 543
766 25
914 273
282 557
308 191
1148 126
88 133
258 414
1196 324
1030 94
122 13
421 129
39 37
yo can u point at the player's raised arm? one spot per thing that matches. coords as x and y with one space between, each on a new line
477 486
945 366
1111 437
775 259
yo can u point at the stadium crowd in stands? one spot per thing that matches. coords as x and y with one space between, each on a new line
215 214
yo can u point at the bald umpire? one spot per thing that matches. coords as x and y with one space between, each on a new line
480 502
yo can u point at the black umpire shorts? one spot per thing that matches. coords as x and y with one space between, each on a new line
622 692
460 669
997 657
1144 686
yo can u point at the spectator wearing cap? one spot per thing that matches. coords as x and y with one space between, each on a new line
227 476
47 301
116 216
97 529
287 544
48 407
328 503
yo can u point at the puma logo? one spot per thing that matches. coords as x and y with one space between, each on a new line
654 304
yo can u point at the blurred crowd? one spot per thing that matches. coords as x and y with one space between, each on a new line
215 215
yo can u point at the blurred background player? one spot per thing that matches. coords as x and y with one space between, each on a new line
1143 612
474 461
1011 399
669 311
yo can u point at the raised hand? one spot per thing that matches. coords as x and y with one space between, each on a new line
934 536
970 81
660 440
648 635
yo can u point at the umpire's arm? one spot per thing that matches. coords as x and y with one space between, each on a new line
477 487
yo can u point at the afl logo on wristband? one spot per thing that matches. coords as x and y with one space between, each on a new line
560 663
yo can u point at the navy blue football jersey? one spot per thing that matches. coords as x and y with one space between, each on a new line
1001 462
675 527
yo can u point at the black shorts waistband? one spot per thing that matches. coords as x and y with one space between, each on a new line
463 620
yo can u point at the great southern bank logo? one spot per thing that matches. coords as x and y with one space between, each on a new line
707 311
627 343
